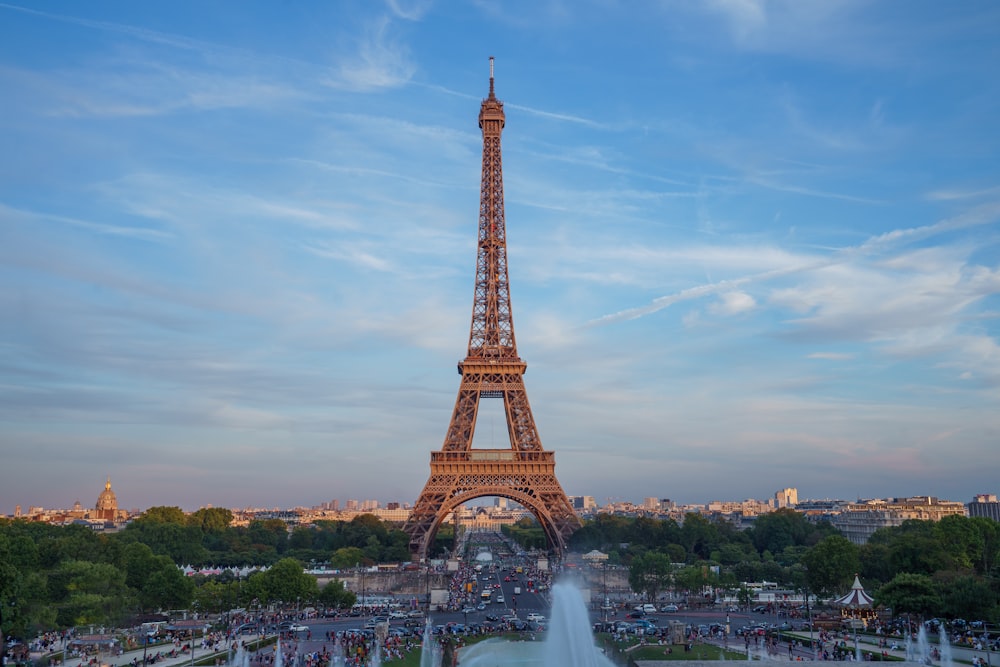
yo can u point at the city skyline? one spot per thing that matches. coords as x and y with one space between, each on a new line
781 498
751 244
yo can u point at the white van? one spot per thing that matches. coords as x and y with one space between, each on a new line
648 608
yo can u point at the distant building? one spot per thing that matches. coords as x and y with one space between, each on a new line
107 504
651 504
786 498
105 515
859 521
985 505
583 503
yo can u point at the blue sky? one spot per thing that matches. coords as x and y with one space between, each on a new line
753 244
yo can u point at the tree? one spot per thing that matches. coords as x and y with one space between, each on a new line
915 549
163 514
694 578
777 530
211 519
960 538
335 596
965 595
650 573
832 564
166 587
88 593
698 535
348 557
284 582
910 594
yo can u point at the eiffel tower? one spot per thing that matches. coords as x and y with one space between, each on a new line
524 473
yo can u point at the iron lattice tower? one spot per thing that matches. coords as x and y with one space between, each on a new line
524 473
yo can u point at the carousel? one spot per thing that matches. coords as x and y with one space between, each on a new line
857 606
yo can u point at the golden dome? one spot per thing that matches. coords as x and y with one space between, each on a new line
107 499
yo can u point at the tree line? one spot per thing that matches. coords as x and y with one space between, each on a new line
54 577
948 568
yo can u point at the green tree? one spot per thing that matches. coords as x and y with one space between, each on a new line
335 596
163 514
832 564
348 557
88 593
166 587
211 519
698 536
966 595
285 581
650 573
910 594
915 549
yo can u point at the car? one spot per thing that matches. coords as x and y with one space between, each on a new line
481 606
469 610
500 599
412 623
295 627
668 608
535 617
397 614
416 613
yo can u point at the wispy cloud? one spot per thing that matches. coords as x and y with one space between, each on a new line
11 214
982 215
380 61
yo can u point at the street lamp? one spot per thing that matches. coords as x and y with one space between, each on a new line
604 603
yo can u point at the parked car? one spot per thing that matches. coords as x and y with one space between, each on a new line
668 608
535 617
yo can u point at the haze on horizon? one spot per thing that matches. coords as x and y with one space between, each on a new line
752 245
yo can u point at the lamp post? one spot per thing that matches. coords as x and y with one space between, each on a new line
427 586
604 604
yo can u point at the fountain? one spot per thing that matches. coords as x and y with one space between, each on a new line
923 649
945 647
569 643
240 658
429 655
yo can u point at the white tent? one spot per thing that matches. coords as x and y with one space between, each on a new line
856 597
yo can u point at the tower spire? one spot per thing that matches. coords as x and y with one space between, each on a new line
492 94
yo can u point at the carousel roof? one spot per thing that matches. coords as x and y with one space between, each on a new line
856 597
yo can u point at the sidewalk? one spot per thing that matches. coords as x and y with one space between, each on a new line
180 660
